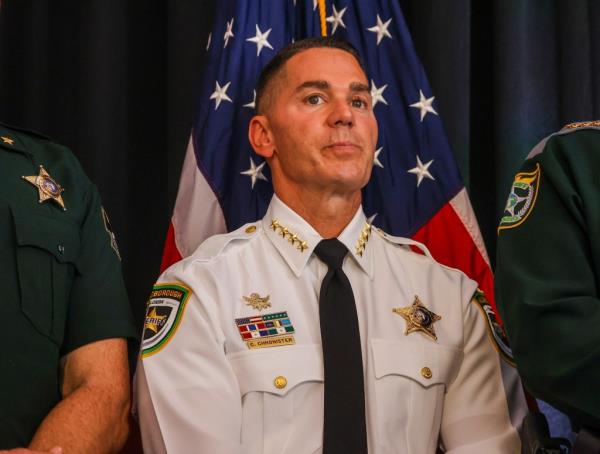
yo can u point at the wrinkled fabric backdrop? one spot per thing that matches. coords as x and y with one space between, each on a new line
116 81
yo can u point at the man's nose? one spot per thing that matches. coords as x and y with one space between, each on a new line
341 114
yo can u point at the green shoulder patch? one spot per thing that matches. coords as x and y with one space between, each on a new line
521 199
495 329
163 316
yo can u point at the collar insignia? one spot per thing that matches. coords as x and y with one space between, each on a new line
48 188
7 140
291 237
257 302
363 239
418 318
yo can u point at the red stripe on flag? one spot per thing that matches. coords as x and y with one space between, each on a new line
170 252
451 244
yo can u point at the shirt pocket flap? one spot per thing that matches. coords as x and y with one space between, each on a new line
425 364
277 370
59 238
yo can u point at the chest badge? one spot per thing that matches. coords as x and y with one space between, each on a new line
48 188
268 330
418 318
257 302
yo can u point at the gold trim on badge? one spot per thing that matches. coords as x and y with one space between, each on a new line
418 318
7 140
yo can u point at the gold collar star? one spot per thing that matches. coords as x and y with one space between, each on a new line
7 140
154 321
257 302
418 318
48 188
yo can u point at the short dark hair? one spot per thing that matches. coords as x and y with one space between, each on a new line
272 69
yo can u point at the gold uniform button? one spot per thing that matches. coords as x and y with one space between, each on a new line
251 229
280 382
426 372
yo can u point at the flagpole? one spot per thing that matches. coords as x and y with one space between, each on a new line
322 15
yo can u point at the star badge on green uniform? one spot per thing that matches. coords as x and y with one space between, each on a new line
418 318
48 188
257 302
521 199
8 140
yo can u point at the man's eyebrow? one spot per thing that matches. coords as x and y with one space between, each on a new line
320 84
359 87
324 85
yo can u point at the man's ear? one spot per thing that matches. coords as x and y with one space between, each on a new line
261 137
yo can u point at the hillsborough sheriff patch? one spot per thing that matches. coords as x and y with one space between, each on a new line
521 199
495 329
163 315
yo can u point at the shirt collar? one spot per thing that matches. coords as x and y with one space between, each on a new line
296 239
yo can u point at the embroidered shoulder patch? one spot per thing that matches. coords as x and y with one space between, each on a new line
521 199
163 316
111 233
495 329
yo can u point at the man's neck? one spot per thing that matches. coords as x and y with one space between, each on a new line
328 214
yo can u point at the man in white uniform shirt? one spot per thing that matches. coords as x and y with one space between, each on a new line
272 340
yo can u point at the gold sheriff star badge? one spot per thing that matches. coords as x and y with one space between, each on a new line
7 140
418 318
48 189
257 302
154 321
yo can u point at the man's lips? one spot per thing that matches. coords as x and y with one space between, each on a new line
343 144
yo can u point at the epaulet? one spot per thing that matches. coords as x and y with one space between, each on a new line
29 132
402 241
567 129
214 245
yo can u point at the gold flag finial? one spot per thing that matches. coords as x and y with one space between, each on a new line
322 15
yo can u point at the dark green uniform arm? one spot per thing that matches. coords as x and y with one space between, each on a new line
97 298
547 274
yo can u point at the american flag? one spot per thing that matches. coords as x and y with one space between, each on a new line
415 188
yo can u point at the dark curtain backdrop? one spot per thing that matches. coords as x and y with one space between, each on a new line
116 81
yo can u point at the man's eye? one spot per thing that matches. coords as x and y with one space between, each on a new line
314 99
359 103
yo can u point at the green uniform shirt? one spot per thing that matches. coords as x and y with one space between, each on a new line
60 278
548 272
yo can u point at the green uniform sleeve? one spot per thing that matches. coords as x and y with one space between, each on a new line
547 274
98 303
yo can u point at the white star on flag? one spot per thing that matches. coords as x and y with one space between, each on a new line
260 39
424 105
255 172
421 171
381 29
220 94
336 18
208 42
377 93
376 160
228 32
252 104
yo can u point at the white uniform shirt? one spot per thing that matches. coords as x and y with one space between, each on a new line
202 388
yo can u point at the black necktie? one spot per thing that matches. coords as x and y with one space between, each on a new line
344 428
